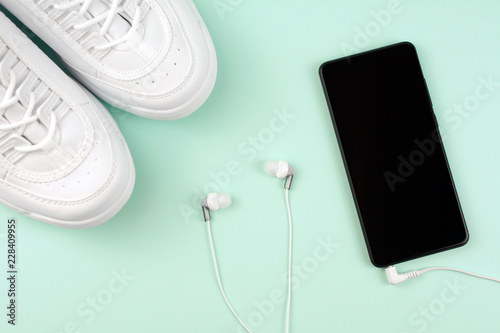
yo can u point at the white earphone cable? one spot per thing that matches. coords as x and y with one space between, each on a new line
289 262
395 278
456 270
219 280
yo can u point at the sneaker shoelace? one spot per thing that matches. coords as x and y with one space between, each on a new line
107 16
11 98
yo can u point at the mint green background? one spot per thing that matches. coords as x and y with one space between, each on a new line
268 54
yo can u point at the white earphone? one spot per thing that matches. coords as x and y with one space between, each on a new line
280 169
215 201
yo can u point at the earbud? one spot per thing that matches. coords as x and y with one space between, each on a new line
395 278
280 169
214 201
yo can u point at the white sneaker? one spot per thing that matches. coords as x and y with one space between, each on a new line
152 58
63 160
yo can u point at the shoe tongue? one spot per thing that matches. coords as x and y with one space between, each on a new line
119 26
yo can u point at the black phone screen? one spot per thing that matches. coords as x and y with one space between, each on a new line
393 154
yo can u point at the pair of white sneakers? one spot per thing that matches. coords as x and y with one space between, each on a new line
63 160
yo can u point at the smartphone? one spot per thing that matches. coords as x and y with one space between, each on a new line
393 154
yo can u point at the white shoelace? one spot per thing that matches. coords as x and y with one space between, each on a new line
107 16
10 98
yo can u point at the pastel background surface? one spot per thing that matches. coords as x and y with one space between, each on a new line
268 104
